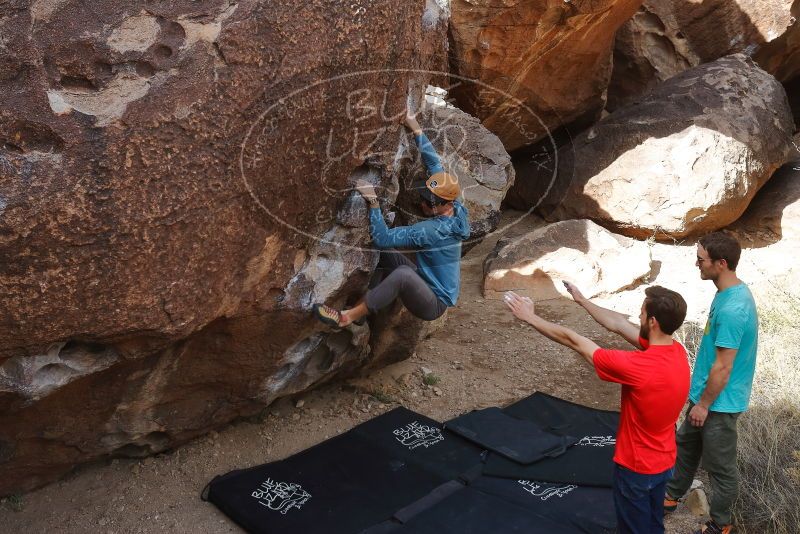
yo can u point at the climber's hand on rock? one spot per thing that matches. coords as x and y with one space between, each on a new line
366 189
410 121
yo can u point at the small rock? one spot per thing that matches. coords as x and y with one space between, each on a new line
425 371
697 502
437 391
295 417
300 404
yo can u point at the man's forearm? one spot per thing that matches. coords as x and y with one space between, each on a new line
717 380
608 319
559 334
612 321
413 125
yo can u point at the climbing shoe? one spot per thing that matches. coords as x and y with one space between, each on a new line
327 315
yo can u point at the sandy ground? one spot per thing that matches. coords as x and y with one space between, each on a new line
483 357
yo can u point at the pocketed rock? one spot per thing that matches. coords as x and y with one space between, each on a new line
172 175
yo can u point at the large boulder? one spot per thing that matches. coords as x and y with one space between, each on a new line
666 37
578 251
539 64
175 192
685 159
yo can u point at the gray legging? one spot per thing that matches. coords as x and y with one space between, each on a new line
397 277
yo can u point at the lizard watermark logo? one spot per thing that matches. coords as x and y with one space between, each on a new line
545 491
281 496
415 435
366 140
597 441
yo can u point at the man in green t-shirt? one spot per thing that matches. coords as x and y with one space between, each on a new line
721 384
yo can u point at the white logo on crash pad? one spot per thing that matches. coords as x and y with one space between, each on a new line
544 493
415 435
597 441
281 496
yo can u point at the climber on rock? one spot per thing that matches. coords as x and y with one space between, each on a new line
430 284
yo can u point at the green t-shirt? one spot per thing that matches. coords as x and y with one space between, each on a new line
732 324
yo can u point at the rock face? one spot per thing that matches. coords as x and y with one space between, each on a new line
666 37
683 160
539 64
775 211
578 251
472 153
174 193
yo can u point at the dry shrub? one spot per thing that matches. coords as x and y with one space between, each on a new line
769 469
769 432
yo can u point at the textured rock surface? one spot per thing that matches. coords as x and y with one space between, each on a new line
775 211
579 251
472 153
173 195
540 64
396 335
666 37
685 159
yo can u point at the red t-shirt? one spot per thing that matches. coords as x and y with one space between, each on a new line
655 385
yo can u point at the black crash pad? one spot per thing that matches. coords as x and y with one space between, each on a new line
346 483
470 511
516 439
588 509
588 463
